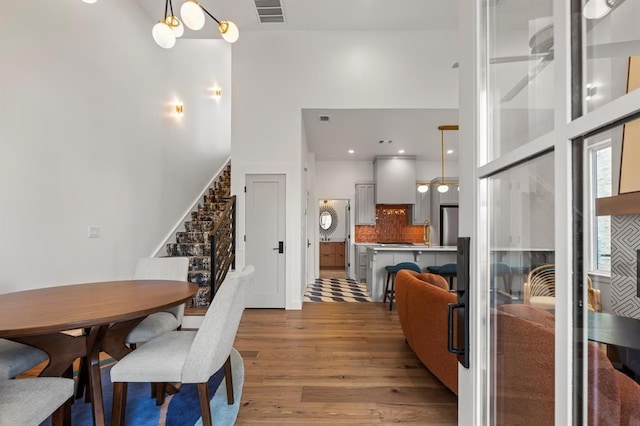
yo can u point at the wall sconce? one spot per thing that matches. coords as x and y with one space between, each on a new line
217 93
590 91
179 110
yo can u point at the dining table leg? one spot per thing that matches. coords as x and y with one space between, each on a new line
62 349
94 344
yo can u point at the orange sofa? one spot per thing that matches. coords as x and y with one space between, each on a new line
525 370
422 301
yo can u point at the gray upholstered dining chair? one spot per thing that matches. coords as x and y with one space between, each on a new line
159 268
32 401
16 358
188 356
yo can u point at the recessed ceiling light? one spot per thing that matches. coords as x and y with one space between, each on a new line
351 151
449 151
401 151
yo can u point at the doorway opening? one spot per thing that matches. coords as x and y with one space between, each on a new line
335 238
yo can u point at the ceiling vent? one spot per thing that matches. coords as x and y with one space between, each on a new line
324 118
269 11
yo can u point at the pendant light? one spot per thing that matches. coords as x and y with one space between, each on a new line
597 9
192 14
443 185
168 29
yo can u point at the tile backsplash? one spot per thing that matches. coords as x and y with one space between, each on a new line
393 224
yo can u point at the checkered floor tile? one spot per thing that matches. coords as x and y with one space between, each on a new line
336 290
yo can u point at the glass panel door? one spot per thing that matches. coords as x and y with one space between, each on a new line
522 288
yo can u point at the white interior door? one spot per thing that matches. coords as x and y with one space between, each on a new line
265 239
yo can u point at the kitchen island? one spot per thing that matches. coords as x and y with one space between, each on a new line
381 255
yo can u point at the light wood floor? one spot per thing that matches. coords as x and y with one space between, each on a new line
335 363
333 273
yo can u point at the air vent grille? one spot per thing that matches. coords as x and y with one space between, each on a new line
324 118
269 11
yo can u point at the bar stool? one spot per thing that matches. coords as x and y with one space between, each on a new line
502 270
450 271
391 276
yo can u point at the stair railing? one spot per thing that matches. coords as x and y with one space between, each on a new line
223 245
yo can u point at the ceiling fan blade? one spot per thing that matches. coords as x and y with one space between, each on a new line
519 58
527 78
614 50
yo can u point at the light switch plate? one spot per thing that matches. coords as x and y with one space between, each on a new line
94 232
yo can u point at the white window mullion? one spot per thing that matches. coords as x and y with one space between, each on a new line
563 216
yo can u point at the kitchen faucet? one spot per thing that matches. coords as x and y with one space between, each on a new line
427 232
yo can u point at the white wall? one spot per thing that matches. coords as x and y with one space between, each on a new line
277 74
87 137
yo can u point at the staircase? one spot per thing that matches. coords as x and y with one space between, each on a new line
212 225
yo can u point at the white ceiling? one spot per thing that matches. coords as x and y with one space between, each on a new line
413 130
322 15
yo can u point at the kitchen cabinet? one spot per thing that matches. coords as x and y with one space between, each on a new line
365 204
332 255
395 180
361 263
451 196
422 207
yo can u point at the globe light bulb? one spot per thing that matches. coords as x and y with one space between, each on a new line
443 188
163 35
596 9
176 25
423 188
192 15
229 31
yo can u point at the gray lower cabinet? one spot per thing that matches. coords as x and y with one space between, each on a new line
361 264
365 204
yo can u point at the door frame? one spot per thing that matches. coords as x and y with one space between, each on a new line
293 215
281 203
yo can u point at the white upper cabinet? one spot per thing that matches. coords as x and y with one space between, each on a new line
395 180
365 204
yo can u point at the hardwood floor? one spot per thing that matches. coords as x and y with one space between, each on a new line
333 273
335 363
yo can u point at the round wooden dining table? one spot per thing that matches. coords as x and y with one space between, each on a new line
107 310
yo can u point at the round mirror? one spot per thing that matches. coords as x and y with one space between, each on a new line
328 220
325 220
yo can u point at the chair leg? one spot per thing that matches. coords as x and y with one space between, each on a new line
392 292
159 391
386 287
205 409
228 377
119 403
62 415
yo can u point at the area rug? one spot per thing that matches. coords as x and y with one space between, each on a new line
336 290
180 409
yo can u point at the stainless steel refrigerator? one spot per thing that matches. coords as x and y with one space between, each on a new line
448 225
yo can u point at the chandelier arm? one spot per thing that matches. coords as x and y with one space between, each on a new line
166 8
171 7
212 17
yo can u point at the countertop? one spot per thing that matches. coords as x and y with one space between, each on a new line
406 247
